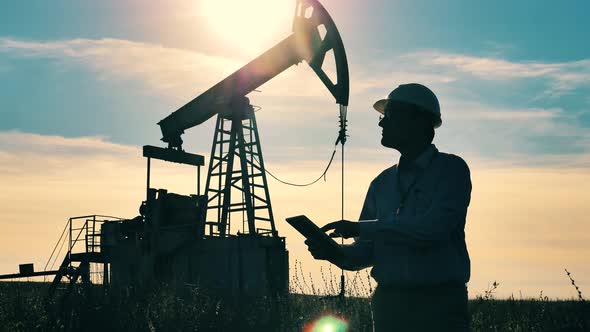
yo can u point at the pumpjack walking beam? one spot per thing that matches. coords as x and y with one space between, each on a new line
305 43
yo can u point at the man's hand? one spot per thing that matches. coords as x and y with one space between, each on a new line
343 228
317 251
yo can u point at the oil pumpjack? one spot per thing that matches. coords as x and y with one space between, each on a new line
192 239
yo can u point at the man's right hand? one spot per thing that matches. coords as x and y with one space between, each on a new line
317 251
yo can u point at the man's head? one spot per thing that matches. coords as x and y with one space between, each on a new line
410 114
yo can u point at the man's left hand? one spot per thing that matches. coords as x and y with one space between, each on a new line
343 228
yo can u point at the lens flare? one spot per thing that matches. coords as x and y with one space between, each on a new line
327 323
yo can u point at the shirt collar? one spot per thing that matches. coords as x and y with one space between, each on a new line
421 161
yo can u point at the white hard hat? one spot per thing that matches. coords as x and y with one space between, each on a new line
416 94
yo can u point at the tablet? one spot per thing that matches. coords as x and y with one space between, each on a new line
311 231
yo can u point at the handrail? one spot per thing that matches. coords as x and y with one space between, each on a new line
97 215
56 245
89 227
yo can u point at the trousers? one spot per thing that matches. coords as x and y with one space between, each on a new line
416 309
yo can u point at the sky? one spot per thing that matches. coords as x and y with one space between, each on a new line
83 84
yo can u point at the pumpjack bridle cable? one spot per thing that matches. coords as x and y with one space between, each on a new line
341 139
323 175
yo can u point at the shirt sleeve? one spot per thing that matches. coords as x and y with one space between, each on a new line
360 253
446 213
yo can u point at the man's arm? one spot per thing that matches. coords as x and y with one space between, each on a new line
447 212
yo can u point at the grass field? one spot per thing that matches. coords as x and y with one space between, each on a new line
191 309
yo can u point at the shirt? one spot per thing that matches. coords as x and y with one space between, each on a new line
425 243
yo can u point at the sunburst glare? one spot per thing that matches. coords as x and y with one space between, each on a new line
249 26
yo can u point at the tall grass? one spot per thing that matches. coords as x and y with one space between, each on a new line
189 308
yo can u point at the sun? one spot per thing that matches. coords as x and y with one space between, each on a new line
249 25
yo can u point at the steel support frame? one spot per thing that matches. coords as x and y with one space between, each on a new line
241 141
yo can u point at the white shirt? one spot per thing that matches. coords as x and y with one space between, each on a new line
425 243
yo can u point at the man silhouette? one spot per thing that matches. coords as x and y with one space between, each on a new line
411 228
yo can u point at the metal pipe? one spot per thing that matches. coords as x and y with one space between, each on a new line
198 180
148 178
34 274
70 243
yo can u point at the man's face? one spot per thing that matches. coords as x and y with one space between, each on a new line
400 125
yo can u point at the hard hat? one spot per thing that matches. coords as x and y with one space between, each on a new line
416 94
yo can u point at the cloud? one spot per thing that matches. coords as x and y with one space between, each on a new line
169 71
511 231
474 121
15 141
494 109
516 115
517 136
178 73
507 135
444 69
466 110
563 76
181 72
